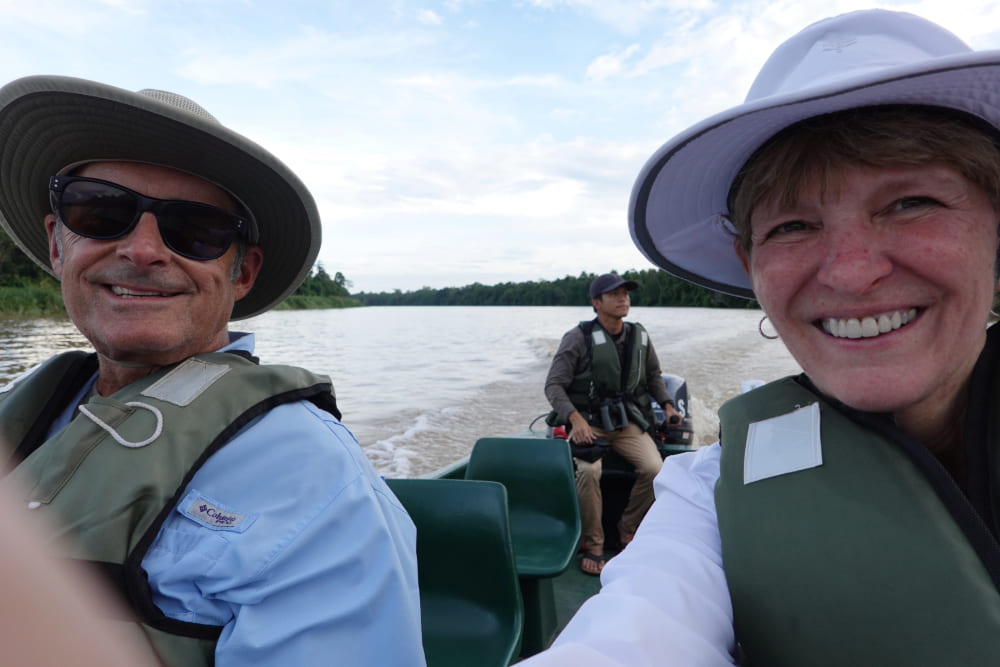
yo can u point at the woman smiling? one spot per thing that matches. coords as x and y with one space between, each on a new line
875 258
848 515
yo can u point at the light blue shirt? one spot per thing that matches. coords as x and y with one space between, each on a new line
321 567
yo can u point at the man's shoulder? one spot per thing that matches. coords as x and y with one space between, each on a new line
637 327
303 415
312 441
583 328
574 338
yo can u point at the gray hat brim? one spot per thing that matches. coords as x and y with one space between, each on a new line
678 215
49 122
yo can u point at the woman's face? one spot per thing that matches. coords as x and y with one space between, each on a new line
881 287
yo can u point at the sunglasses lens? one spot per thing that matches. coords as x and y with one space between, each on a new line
198 232
97 210
103 211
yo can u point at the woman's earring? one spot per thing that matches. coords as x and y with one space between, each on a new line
760 328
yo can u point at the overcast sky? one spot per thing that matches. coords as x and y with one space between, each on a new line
447 142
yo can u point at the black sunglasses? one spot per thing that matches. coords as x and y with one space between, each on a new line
101 210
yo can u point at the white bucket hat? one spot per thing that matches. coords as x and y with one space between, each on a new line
51 123
678 213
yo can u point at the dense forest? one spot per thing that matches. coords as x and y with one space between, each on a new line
27 290
24 288
656 288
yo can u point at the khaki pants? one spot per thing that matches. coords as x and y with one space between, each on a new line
635 446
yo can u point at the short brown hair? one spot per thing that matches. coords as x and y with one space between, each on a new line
883 136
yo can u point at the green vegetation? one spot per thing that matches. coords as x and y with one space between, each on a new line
42 300
26 290
657 288
33 293
319 291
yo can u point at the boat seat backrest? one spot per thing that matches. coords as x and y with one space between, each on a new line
470 600
541 495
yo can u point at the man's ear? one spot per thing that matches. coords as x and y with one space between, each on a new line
249 270
55 247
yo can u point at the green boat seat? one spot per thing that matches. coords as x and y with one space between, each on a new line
470 601
544 519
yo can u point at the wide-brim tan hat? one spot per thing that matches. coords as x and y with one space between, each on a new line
678 213
49 123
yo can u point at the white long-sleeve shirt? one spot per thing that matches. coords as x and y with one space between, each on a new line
664 600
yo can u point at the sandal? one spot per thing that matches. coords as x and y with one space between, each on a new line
594 561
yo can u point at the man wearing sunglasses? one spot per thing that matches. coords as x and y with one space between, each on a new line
223 498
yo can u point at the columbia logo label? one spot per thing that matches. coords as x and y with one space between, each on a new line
214 515
839 45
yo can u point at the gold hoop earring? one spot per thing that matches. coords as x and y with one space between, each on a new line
760 329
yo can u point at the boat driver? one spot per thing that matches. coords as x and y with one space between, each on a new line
600 383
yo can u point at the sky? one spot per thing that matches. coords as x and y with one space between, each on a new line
447 142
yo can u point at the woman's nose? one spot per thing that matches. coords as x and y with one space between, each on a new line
856 259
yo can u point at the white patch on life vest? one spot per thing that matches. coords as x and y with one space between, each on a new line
213 515
599 337
186 382
783 444
645 338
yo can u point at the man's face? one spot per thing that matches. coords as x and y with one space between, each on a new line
133 298
614 304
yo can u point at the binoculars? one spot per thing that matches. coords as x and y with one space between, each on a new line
613 416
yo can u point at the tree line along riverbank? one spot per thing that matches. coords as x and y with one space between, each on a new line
27 291
38 295
656 289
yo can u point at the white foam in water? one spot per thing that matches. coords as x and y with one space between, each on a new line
394 456
418 386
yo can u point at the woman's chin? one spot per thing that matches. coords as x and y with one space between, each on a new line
869 395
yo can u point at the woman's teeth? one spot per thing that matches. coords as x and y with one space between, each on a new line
868 327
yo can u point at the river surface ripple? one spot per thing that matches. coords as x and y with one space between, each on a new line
418 385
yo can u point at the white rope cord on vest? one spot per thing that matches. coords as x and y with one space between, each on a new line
114 434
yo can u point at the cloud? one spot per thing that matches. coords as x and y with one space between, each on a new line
541 209
610 64
628 16
309 54
429 17
456 141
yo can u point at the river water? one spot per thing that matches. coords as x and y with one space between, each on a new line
418 385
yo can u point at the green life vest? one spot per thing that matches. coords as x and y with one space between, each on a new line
846 543
110 478
605 383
